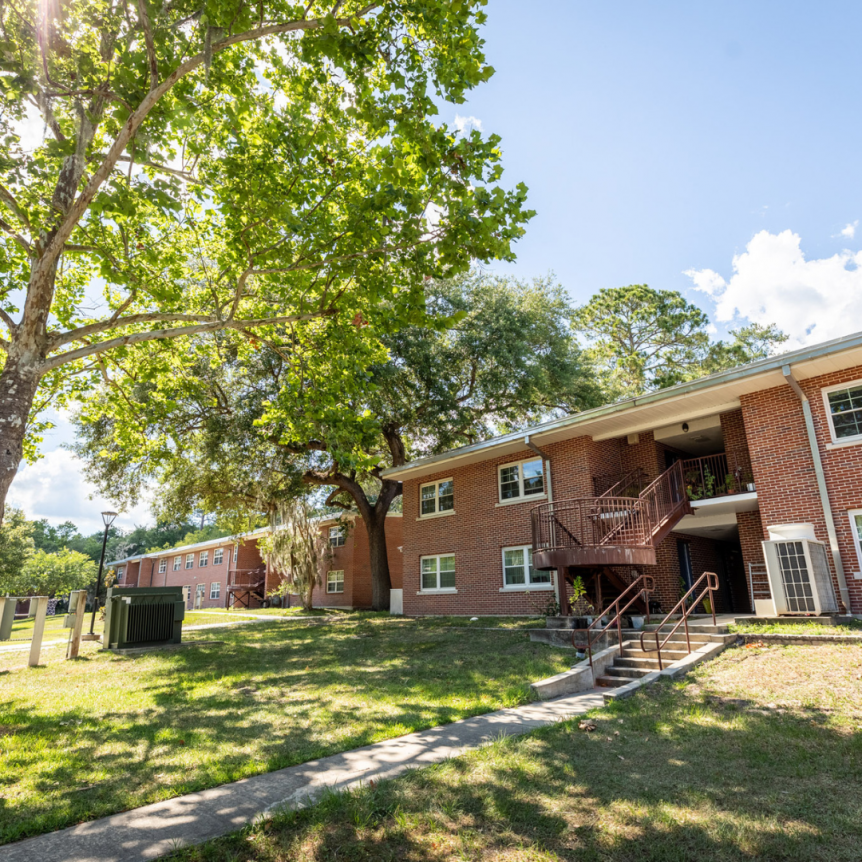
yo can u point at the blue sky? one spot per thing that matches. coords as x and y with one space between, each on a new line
658 139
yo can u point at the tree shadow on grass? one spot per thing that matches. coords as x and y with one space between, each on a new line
686 778
265 699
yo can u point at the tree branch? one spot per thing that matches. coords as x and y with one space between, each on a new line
131 126
8 321
148 39
16 236
9 198
160 334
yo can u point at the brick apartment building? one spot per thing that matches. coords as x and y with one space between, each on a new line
670 484
231 572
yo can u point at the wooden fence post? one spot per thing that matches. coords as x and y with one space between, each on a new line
38 628
78 606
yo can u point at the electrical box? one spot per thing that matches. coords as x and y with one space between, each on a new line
143 616
798 569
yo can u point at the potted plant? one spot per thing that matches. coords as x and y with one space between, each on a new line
637 622
748 480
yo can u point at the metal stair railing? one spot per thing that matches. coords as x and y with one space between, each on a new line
710 588
647 585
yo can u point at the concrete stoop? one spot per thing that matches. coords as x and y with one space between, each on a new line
624 674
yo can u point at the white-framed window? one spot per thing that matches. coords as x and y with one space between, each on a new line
844 409
215 589
438 573
204 560
190 561
435 498
163 565
336 536
335 582
218 556
235 552
120 572
856 528
178 563
518 571
521 479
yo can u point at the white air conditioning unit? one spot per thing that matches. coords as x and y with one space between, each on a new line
798 569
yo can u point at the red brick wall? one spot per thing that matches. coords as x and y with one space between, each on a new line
205 575
735 441
784 469
354 559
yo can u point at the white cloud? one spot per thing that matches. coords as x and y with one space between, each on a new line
850 230
54 488
772 282
465 125
32 129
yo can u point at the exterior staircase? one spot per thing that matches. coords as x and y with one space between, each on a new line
634 663
611 529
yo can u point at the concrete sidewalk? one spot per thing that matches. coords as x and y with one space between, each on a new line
155 830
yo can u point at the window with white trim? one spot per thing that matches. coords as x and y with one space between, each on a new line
844 408
235 552
218 556
438 573
120 572
190 561
178 563
437 497
522 479
215 589
856 527
204 559
518 571
163 565
335 581
336 537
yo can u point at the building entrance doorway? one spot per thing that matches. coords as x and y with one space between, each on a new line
199 596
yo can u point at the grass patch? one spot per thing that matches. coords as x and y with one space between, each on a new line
287 612
484 622
84 739
757 755
853 626
22 630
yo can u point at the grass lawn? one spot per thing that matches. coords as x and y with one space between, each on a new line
801 628
755 756
83 739
23 629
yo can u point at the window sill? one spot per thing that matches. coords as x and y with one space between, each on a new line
857 576
521 500
528 588
853 441
436 515
447 591
335 594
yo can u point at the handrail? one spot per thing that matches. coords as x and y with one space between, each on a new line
626 481
711 587
643 592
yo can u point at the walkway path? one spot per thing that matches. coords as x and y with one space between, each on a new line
155 830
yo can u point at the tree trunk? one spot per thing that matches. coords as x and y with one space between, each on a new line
381 583
18 384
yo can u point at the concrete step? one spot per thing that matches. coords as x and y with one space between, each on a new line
648 663
629 672
608 681
707 629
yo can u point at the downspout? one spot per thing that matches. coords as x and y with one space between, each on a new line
546 462
821 485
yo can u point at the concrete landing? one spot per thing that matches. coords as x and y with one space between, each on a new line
155 830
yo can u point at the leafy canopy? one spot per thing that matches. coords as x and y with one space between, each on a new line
230 166
643 339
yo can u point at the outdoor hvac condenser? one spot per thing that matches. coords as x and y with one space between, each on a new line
143 616
798 569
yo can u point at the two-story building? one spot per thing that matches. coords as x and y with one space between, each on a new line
232 572
671 484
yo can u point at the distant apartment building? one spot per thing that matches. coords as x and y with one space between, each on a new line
232 572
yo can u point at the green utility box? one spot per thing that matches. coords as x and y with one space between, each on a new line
143 616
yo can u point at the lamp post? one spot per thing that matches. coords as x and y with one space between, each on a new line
108 518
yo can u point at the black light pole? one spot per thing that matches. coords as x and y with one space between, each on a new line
108 518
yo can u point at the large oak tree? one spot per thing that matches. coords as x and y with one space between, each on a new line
225 166
241 429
